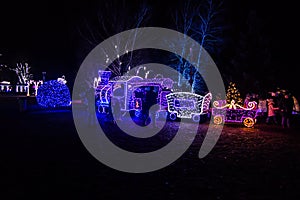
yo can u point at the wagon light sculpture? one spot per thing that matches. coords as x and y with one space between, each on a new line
235 113
187 105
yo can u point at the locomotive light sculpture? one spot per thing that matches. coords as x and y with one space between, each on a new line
135 94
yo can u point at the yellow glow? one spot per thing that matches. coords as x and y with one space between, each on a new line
248 122
218 119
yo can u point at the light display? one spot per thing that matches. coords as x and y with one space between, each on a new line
21 88
36 86
232 105
233 94
131 91
23 72
235 113
104 77
218 119
62 80
7 87
53 94
249 122
187 105
137 94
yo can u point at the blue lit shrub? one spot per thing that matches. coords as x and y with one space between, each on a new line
53 94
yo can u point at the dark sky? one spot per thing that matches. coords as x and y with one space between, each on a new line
45 33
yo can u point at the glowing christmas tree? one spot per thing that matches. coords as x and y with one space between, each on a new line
233 94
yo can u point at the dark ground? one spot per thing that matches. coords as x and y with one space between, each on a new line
42 156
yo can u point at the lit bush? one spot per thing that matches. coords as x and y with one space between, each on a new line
53 94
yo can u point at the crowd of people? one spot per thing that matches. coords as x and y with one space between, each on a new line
278 108
282 105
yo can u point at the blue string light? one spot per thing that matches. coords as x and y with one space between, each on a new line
53 94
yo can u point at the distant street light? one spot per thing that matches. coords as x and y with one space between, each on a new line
44 76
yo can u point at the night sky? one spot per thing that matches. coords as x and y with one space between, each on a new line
45 33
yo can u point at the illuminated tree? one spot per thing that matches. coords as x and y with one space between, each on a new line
115 17
199 86
208 32
233 94
183 19
23 73
207 28
201 21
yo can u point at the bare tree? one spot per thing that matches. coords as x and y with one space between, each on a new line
207 30
201 22
23 73
183 22
115 17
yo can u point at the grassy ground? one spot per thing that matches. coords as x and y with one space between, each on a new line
42 156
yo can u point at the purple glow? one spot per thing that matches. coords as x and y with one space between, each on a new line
136 93
235 113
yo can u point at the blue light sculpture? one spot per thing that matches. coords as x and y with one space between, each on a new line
53 94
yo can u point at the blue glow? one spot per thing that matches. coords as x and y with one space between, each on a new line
53 94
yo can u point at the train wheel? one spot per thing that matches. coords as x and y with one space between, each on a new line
173 116
196 118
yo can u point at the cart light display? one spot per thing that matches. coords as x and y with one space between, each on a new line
53 94
235 113
186 104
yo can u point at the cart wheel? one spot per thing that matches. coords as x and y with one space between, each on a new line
173 116
218 119
196 118
248 122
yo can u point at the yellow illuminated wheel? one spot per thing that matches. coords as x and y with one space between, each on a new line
218 119
249 122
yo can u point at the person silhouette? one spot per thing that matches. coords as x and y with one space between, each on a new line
286 109
271 118
116 109
151 99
